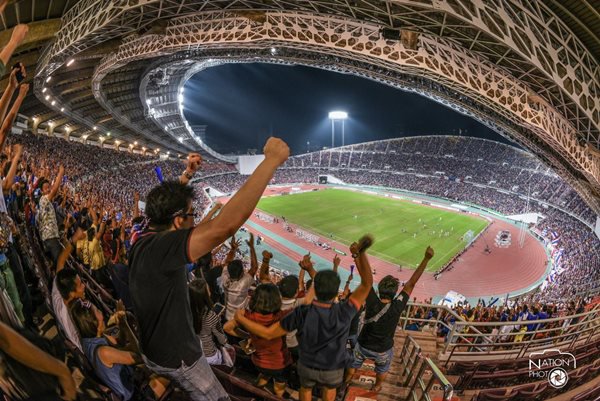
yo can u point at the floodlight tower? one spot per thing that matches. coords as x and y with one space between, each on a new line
337 116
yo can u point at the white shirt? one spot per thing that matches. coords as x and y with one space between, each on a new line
64 320
236 292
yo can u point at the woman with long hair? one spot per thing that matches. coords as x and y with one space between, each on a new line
272 357
207 324
113 366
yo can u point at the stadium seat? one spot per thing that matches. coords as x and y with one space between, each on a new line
495 395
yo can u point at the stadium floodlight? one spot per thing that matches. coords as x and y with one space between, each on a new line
335 116
338 115
44 90
70 62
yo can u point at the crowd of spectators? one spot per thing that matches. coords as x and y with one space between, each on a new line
146 296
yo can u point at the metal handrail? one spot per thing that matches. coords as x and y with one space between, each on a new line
410 357
491 340
423 386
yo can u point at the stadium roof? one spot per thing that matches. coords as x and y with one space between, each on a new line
528 68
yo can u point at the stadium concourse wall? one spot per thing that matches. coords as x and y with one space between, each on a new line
428 200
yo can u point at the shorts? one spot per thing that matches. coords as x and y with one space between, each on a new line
310 377
382 360
278 375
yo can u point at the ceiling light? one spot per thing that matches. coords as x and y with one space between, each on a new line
48 79
70 62
44 90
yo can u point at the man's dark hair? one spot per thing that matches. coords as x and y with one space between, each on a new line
200 302
137 220
166 200
266 299
288 286
235 268
327 285
65 282
388 287
41 183
91 232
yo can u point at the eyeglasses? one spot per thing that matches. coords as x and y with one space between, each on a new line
185 215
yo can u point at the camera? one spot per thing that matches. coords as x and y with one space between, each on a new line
19 74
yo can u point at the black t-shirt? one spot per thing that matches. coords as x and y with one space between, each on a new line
158 287
379 336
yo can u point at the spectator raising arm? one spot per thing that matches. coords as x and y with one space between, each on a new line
253 258
10 118
410 284
8 93
363 266
207 235
194 160
306 265
18 36
336 263
17 151
31 356
264 276
57 183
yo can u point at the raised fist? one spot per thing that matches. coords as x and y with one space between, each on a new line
194 160
267 255
429 252
306 263
336 260
18 34
276 150
250 240
23 89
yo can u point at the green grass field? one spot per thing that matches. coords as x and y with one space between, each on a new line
347 215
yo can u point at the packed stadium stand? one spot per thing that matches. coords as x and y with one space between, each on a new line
123 277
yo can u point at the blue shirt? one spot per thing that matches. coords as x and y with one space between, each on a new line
322 332
119 378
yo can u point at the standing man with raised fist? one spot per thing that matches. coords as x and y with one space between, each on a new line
158 274
376 339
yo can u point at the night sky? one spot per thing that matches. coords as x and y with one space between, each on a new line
242 104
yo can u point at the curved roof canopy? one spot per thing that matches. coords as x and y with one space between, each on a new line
527 68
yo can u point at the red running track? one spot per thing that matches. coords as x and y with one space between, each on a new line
475 274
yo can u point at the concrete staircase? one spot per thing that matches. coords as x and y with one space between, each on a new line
393 389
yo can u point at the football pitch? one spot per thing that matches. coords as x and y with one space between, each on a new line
345 216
